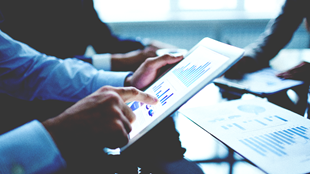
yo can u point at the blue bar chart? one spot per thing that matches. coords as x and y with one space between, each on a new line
189 73
163 92
135 105
273 138
275 142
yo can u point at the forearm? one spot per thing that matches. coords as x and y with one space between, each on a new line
28 74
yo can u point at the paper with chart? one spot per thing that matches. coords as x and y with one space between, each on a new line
273 138
260 82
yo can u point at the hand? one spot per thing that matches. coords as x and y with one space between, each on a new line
244 65
132 60
160 45
299 72
150 70
129 61
100 120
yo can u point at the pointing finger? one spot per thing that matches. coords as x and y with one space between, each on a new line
129 94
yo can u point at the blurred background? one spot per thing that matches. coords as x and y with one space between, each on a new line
183 23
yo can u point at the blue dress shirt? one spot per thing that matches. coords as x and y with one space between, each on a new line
28 74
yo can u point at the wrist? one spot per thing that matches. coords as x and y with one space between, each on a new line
128 81
48 126
55 132
116 63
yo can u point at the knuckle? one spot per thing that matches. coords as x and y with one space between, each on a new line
131 120
123 90
149 61
107 99
166 55
105 88
118 125
133 90
112 97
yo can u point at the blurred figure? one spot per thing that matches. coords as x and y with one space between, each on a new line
277 35
64 28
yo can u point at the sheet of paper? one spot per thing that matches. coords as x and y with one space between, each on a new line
274 139
263 81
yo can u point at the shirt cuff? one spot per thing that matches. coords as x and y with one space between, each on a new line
29 149
111 78
305 55
102 61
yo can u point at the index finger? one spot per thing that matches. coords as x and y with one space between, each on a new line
129 94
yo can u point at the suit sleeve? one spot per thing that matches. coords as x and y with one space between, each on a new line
102 38
278 32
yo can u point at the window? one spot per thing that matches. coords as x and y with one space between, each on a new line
207 4
149 10
260 5
118 10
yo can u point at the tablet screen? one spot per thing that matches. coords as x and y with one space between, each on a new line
206 61
176 84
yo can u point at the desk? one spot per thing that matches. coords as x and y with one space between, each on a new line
211 155
278 92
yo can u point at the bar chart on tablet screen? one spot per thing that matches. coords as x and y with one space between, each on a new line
200 63
163 92
189 73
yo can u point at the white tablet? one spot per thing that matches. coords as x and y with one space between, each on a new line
201 65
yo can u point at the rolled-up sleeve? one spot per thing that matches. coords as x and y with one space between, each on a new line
29 149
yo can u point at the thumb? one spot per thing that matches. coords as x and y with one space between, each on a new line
165 60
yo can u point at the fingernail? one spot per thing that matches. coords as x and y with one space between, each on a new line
155 99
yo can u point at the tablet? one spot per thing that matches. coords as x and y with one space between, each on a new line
201 65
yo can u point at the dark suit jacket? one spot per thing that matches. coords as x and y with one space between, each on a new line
279 31
62 28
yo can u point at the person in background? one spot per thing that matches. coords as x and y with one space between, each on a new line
65 28
277 35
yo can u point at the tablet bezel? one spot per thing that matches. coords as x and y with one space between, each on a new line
231 52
